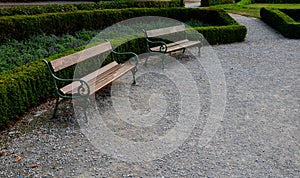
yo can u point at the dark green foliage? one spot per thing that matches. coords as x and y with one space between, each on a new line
34 0
54 8
16 53
280 21
215 2
197 23
33 10
245 2
223 34
20 27
277 1
120 4
21 90
24 87
293 13
28 85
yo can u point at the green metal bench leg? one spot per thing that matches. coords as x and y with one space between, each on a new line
163 61
183 51
55 107
145 64
199 51
134 70
85 105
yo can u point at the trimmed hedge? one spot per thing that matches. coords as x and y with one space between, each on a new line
24 87
293 13
53 8
223 34
28 85
280 21
245 2
215 2
21 27
277 1
35 0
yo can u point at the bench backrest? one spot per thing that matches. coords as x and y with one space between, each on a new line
80 56
165 31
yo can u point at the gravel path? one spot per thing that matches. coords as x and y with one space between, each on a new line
258 136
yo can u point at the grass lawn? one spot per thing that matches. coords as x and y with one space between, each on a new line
252 10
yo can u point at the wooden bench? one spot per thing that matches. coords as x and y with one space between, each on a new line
85 86
156 43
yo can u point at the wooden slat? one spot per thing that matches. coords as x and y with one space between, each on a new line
122 70
157 48
177 45
80 56
183 45
164 31
75 85
100 78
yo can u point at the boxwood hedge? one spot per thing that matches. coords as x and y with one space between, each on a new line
28 85
279 20
34 10
215 2
277 1
34 0
293 13
22 88
21 26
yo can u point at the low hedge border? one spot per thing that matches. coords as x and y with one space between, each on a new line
277 1
279 20
205 3
53 8
293 13
21 27
28 85
35 0
24 87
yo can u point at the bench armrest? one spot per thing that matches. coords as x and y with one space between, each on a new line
132 54
162 44
83 88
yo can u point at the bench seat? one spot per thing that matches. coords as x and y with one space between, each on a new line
171 47
100 78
